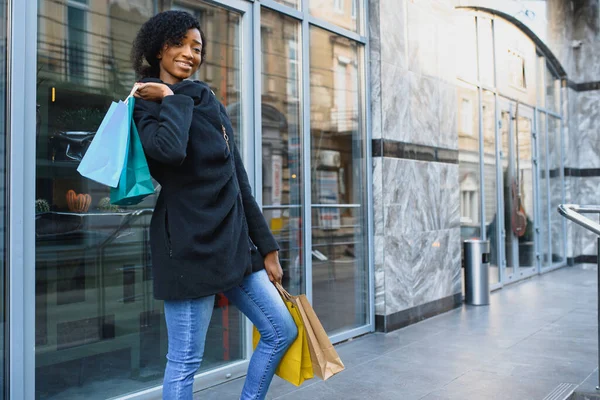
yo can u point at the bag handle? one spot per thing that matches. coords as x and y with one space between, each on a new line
284 293
133 90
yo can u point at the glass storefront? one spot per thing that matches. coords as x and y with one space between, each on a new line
339 267
520 134
282 144
97 323
3 197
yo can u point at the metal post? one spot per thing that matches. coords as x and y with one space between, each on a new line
598 295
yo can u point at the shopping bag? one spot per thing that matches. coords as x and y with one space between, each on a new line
135 182
325 360
295 366
104 159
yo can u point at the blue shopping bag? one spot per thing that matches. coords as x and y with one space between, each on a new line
105 157
135 182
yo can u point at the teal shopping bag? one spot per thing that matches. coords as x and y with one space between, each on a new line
135 182
104 158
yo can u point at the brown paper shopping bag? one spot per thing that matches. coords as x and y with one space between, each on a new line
295 366
325 359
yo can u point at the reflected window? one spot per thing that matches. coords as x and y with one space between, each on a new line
282 143
340 268
516 69
468 144
544 191
342 13
552 86
96 318
556 188
485 38
76 39
466 116
338 6
466 56
490 182
291 3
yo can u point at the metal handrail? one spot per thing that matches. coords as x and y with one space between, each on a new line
573 212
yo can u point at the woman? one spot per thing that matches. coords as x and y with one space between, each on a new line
207 233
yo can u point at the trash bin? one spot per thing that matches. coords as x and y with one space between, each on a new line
477 263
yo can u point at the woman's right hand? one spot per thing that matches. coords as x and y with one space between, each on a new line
152 91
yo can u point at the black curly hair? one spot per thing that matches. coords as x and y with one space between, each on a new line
167 27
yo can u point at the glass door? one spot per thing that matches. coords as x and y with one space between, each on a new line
97 322
517 190
340 272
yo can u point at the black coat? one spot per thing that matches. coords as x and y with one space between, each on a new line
205 214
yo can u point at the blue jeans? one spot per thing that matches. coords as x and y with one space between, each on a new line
187 324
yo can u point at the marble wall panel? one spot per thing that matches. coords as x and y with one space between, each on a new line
424 109
379 242
587 133
556 220
420 268
572 156
393 29
559 32
375 88
420 196
571 190
374 29
396 95
587 30
378 214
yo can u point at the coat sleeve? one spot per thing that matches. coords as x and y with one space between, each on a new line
165 136
257 225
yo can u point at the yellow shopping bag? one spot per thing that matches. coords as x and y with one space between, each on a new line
296 365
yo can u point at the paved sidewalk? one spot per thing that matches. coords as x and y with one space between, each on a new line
537 340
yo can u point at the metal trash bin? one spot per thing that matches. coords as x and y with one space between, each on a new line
477 263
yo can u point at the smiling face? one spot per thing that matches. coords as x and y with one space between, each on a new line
182 59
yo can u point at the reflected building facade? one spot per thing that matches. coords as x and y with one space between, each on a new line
377 135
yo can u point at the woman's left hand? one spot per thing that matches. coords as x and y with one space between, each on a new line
273 267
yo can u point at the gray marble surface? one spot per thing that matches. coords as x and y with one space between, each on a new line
420 268
414 200
420 196
393 24
571 141
374 26
395 98
375 88
424 108
378 215
587 30
378 244
587 134
557 221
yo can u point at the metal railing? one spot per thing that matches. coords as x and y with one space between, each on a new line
574 213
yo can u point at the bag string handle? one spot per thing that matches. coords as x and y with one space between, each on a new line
284 293
133 90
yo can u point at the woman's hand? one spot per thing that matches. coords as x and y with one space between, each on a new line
273 267
152 91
